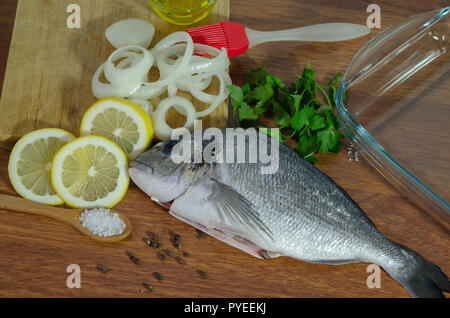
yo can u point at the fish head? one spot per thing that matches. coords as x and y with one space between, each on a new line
158 175
196 193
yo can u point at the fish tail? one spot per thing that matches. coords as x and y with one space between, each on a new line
420 277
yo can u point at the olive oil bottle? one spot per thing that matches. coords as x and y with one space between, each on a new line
182 12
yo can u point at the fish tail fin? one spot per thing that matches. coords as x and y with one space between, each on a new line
420 277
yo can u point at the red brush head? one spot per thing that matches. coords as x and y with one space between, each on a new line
230 35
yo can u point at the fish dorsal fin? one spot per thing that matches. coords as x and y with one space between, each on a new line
237 209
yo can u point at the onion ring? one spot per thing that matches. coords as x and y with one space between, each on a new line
102 90
201 95
199 82
132 76
168 60
172 90
150 90
198 64
168 41
225 80
144 103
162 130
130 60
126 71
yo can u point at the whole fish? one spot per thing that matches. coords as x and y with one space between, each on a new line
297 211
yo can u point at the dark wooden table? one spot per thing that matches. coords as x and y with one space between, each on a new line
36 251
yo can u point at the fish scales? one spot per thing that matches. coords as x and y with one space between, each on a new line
305 207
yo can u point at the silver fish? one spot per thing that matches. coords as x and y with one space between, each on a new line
297 211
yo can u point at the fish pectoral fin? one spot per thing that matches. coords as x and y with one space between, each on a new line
237 209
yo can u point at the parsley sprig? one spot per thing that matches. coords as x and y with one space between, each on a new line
296 109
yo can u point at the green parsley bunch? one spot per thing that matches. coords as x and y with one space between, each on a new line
296 109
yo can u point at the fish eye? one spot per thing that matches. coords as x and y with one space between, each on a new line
167 147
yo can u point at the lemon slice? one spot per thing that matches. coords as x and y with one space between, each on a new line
121 121
90 172
30 162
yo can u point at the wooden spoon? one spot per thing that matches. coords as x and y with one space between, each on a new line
68 216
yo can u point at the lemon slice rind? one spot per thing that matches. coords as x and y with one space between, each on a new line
137 114
15 158
122 181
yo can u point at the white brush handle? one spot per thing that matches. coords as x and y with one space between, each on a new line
324 32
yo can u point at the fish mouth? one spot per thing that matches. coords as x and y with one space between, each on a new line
162 191
141 166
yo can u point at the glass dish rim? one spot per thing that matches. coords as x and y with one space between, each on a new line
379 157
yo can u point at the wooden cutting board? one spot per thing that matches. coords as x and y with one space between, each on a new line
50 66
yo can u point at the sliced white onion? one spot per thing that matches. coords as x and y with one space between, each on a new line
168 59
162 130
148 91
219 63
126 72
144 103
225 80
172 90
214 100
101 89
132 76
199 82
130 32
201 95
182 66
204 49
125 78
131 60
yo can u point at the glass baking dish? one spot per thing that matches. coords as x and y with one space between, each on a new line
393 103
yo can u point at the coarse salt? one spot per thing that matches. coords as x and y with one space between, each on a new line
352 153
102 222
